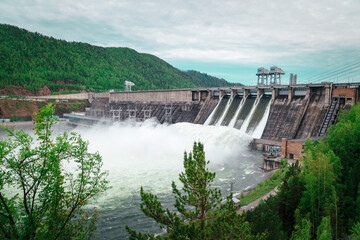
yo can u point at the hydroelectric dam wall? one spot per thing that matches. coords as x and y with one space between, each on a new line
269 113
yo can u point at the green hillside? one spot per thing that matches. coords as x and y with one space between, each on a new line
32 60
211 81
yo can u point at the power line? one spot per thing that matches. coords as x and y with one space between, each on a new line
344 70
338 72
337 69
330 67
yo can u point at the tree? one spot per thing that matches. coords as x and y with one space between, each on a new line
344 140
199 212
265 219
302 231
320 174
324 230
49 200
291 191
356 231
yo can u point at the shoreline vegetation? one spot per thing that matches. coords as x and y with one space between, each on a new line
273 180
51 201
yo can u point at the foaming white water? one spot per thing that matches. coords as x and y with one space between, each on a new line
261 126
233 120
208 120
151 155
248 118
221 119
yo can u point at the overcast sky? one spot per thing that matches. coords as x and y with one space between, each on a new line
228 39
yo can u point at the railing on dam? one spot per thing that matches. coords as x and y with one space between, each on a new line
152 96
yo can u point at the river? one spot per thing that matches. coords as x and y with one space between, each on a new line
151 155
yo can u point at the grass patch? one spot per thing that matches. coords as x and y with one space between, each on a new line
263 187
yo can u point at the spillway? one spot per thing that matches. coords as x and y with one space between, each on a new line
232 110
244 112
219 110
258 113
284 118
296 111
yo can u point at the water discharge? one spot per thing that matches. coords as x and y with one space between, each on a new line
244 111
218 111
231 111
224 112
151 155
258 131
258 114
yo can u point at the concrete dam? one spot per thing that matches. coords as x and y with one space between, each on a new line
269 113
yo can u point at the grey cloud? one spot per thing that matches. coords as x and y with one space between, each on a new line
230 31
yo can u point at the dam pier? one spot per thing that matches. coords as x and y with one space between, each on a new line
274 115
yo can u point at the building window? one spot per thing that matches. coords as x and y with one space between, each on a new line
291 156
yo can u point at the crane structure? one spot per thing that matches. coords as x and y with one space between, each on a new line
274 74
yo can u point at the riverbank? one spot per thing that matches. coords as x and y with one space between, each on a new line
250 199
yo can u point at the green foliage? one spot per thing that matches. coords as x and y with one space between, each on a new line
199 212
291 191
324 230
283 163
264 219
263 187
344 140
196 182
322 198
358 204
331 177
202 79
275 216
320 178
355 231
32 60
20 118
49 200
302 231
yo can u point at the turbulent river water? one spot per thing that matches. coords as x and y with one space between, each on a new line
151 155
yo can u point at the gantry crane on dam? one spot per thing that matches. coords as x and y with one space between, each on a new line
274 74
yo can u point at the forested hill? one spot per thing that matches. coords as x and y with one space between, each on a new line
33 60
210 80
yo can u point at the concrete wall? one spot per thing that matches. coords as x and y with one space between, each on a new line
297 117
206 109
296 111
284 117
310 124
62 96
171 113
263 144
152 96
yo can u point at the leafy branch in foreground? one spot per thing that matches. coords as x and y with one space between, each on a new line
39 197
200 214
